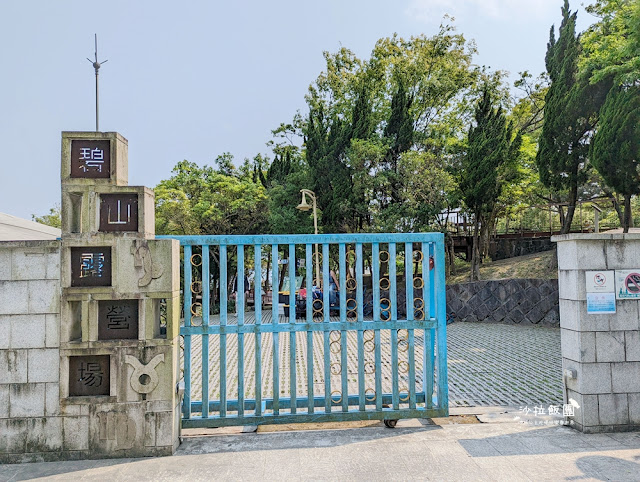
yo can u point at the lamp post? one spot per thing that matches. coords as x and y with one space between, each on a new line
304 206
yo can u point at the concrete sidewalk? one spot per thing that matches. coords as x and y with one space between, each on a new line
499 449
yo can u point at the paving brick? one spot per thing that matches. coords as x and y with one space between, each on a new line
14 297
621 254
625 377
578 346
627 316
571 285
610 346
567 255
53 264
27 331
44 365
5 264
613 409
52 399
52 330
76 433
5 331
44 434
594 378
26 400
28 264
632 345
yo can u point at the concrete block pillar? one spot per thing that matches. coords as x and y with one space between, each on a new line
600 349
118 329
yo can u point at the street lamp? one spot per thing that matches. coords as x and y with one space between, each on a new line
304 206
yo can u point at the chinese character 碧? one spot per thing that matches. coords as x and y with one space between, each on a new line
93 159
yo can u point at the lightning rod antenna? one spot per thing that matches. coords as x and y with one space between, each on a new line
96 66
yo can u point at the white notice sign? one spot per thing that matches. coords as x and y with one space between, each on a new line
600 282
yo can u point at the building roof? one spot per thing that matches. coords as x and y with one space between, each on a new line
13 228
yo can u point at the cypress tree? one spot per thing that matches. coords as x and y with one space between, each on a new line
615 150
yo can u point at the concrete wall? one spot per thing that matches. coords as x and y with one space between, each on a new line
603 349
512 301
31 419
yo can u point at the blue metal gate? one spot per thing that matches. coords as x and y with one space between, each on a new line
357 330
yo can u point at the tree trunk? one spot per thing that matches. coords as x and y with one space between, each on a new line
475 254
627 213
571 209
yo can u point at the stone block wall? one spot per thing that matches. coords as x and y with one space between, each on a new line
31 418
603 350
503 248
512 301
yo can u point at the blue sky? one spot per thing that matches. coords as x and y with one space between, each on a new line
193 79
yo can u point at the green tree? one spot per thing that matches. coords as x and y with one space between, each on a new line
51 219
571 108
486 167
615 151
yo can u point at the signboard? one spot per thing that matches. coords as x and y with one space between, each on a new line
118 212
88 375
601 303
600 281
91 266
118 320
628 284
91 159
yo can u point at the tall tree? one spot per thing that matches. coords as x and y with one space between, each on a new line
615 151
571 108
485 168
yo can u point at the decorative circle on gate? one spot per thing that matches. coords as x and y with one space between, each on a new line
352 284
385 309
196 309
403 346
403 334
369 368
198 257
418 315
403 366
368 335
352 304
370 395
334 347
335 335
317 306
403 394
196 287
417 255
384 284
384 258
336 393
336 369
418 283
352 315
418 303
369 345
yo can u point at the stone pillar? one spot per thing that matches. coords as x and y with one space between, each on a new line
119 307
600 352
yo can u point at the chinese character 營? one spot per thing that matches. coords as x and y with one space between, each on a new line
118 319
92 265
567 410
93 159
91 374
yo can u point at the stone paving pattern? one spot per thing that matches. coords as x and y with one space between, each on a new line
489 365
512 301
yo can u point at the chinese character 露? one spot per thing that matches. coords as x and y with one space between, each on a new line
90 374
93 159
92 265
117 318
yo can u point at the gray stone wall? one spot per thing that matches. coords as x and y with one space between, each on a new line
512 301
503 248
603 351
31 423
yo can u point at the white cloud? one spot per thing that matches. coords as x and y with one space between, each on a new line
433 10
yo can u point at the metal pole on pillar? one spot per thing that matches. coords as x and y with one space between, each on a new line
96 66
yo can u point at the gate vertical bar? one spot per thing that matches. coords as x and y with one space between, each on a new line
292 321
409 285
186 407
257 306
360 314
393 297
441 316
427 349
275 301
342 268
240 301
205 337
309 316
327 320
375 285
223 337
